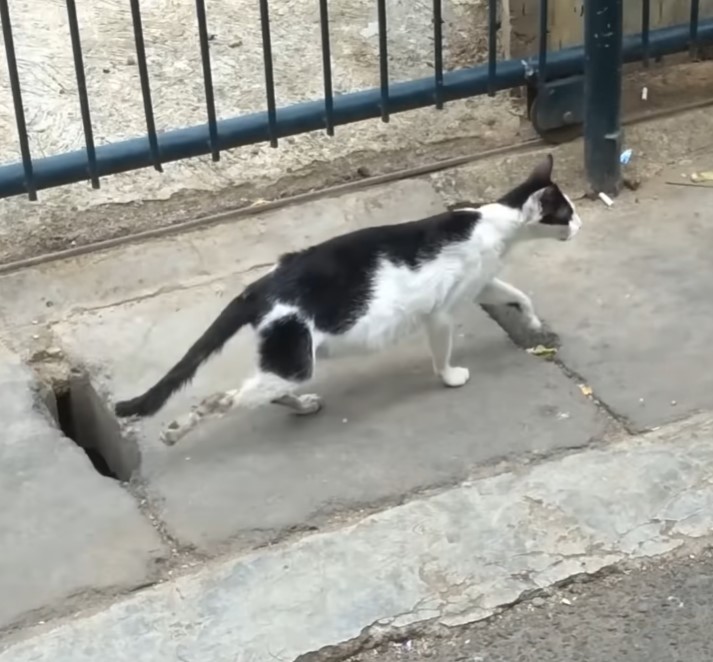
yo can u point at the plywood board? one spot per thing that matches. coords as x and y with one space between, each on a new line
566 20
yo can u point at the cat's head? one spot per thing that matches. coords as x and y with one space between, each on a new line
547 212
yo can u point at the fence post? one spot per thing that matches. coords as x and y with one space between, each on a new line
603 32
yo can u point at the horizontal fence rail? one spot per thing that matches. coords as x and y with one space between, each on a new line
155 149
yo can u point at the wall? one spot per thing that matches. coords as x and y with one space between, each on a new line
565 19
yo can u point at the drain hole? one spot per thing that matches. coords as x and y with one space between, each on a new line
84 418
67 423
63 404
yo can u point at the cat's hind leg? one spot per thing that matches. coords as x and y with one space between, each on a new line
499 293
439 329
286 361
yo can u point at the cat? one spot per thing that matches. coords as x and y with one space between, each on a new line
364 290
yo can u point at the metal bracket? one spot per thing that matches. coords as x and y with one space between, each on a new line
556 109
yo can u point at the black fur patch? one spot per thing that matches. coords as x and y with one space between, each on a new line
332 282
556 209
286 349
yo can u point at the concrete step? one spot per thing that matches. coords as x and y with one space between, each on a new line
446 559
65 531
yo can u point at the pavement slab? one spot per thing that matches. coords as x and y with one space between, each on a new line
632 298
451 558
64 529
389 429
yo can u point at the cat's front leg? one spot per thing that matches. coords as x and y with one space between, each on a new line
440 339
499 293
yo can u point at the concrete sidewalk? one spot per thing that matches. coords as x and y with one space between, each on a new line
632 302
64 530
359 453
446 559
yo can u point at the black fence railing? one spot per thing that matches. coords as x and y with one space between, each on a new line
596 65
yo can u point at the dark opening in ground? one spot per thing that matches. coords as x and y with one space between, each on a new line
68 425
89 422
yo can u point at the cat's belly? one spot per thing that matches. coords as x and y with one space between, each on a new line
380 329
399 309
369 335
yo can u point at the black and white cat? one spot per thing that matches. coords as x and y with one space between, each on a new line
363 291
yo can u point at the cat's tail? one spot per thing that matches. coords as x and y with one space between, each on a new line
239 312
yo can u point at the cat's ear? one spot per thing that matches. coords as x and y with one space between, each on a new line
542 172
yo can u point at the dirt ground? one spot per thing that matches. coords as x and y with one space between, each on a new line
242 176
74 216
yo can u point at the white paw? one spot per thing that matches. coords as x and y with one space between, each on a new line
218 403
310 403
171 435
180 427
455 376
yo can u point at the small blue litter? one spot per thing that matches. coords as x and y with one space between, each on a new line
626 156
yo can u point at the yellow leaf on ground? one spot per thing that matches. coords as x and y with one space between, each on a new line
541 350
702 176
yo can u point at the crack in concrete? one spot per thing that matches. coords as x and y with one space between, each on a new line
521 337
372 637
385 631
179 552
376 634
614 415
163 290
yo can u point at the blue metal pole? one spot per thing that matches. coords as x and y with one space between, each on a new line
438 52
603 59
27 182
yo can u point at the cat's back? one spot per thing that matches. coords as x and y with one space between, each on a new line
335 282
409 244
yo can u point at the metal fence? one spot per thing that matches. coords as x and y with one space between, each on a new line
595 65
